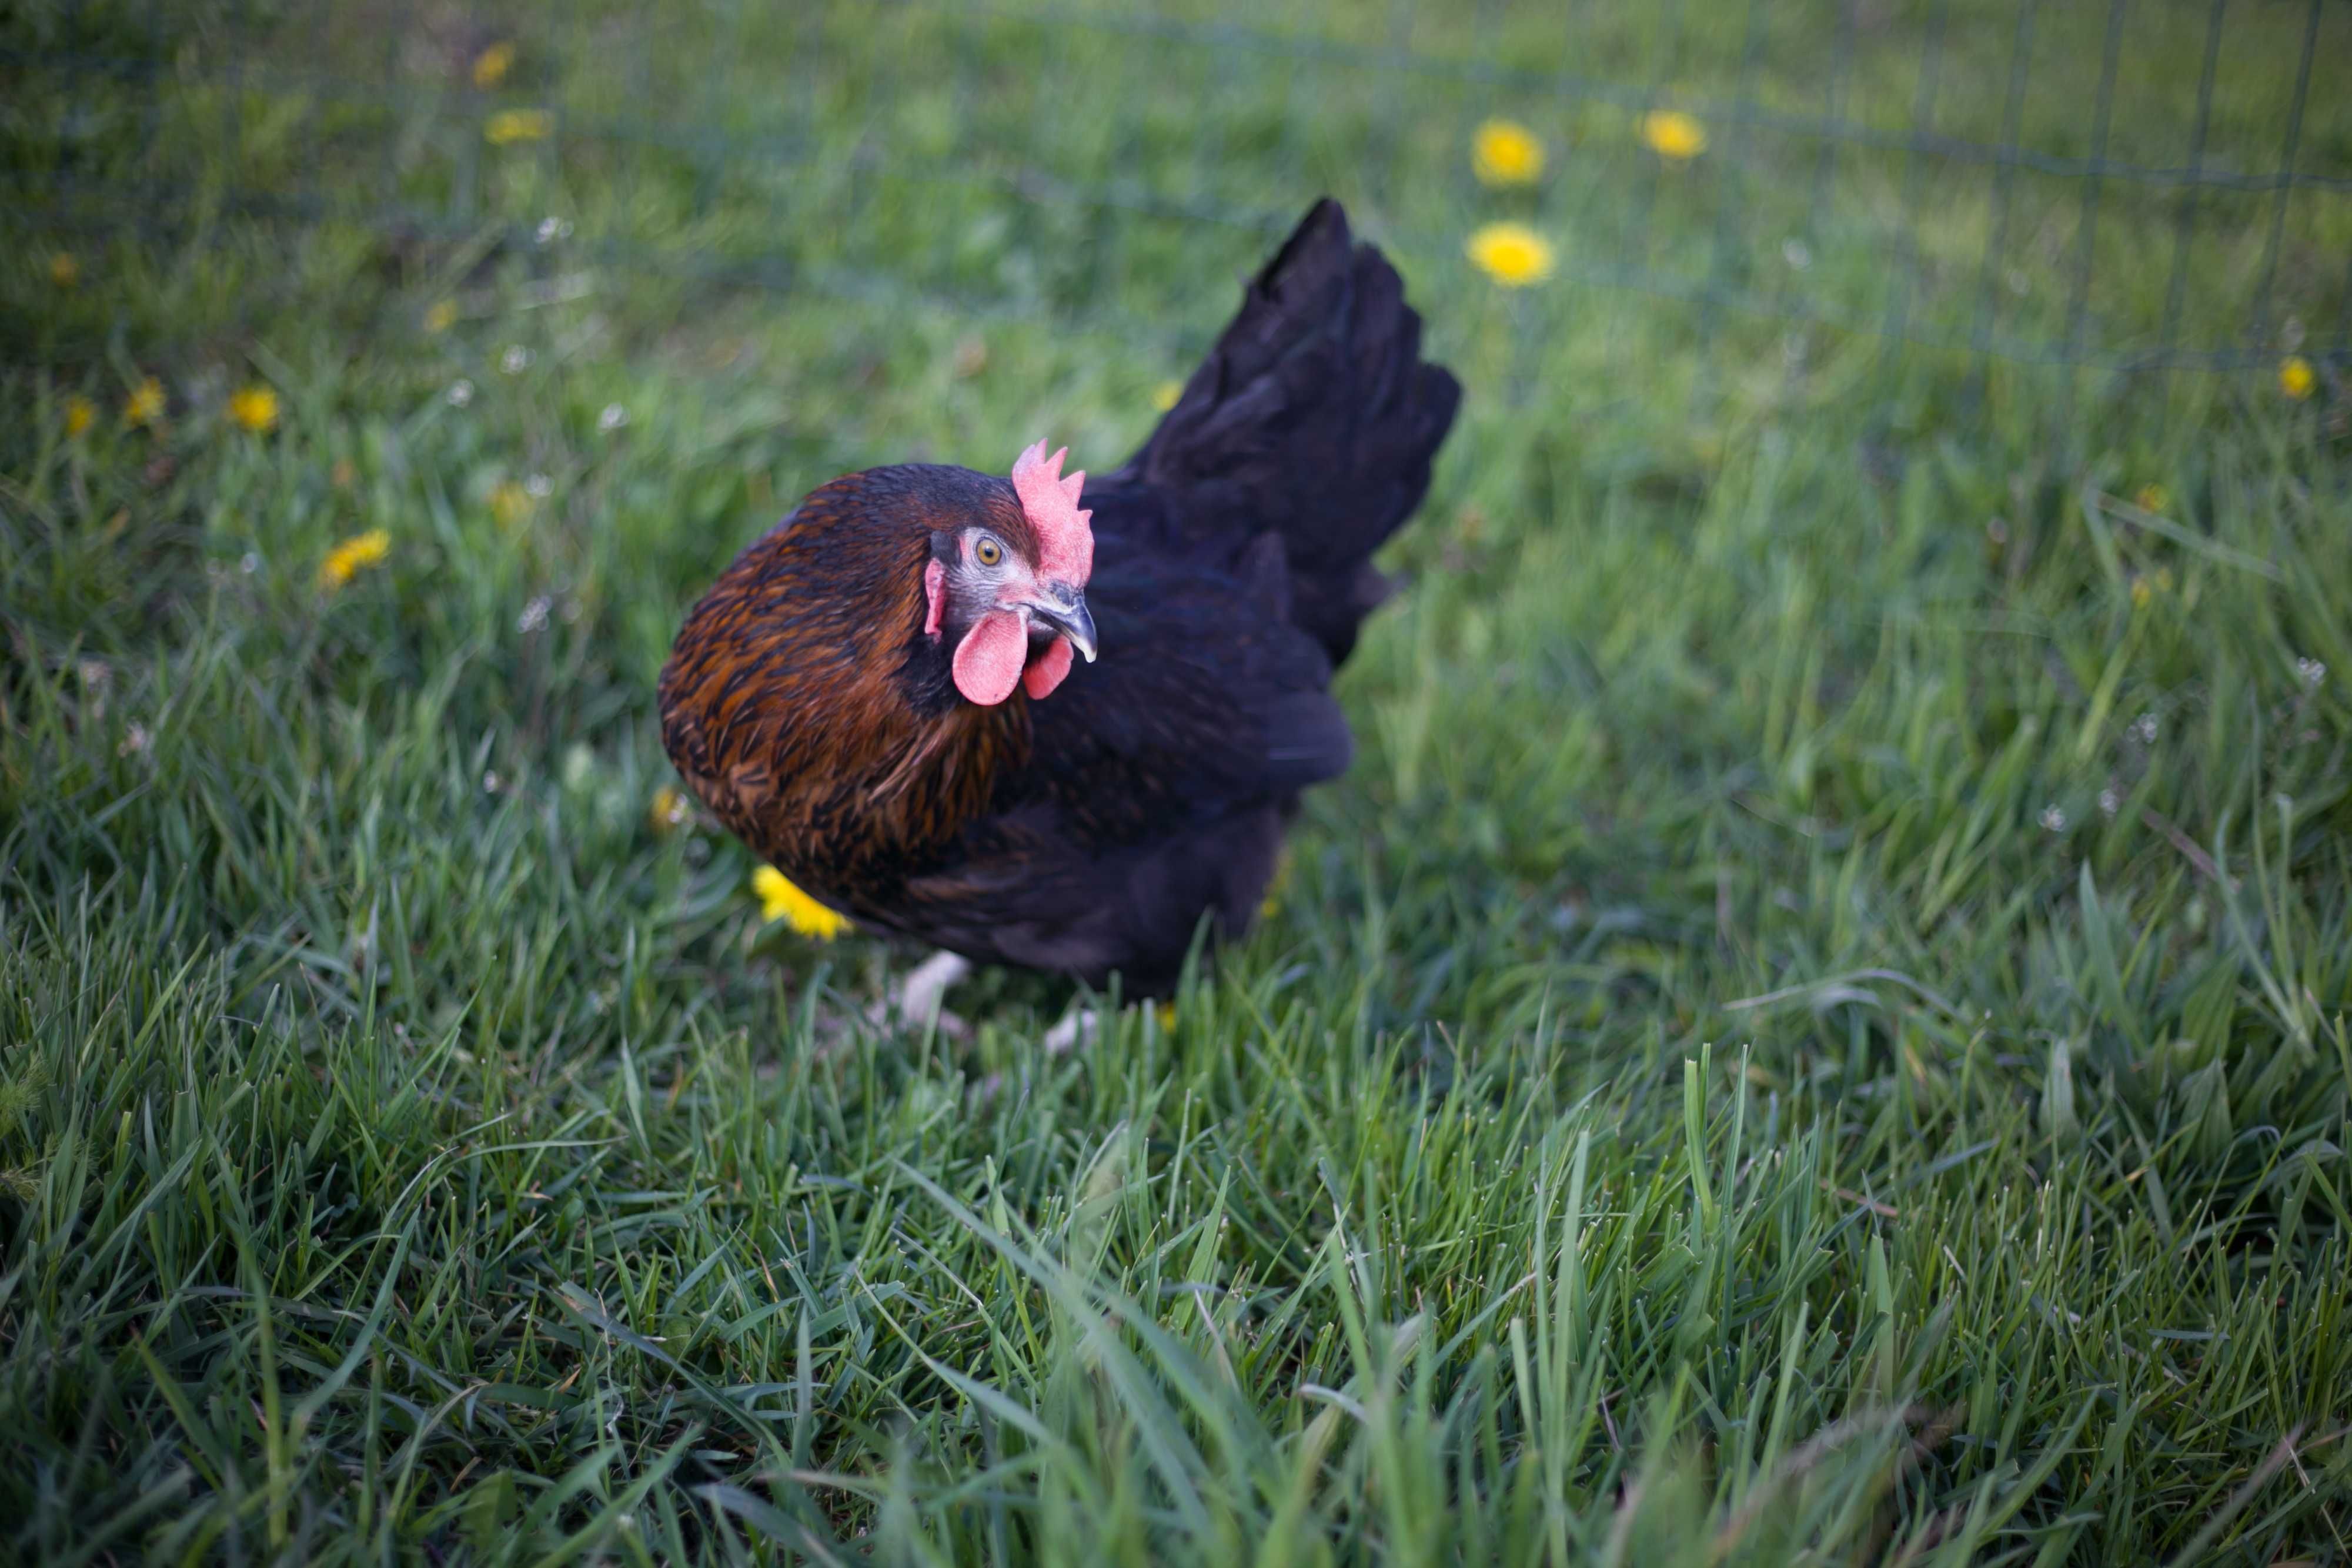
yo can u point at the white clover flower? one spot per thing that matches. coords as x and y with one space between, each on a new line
538 486
2108 803
534 615
515 360
2310 672
2053 819
613 418
461 392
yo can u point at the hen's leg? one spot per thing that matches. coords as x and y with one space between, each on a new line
1082 1026
917 999
1079 1026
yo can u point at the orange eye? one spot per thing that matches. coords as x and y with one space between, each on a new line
987 552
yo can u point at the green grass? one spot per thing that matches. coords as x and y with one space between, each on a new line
1815 1032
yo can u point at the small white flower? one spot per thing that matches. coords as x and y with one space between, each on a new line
553 229
613 418
461 392
135 740
2108 803
2053 819
1795 253
249 562
2310 672
2146 728
538 486
533 616
491 781
515 360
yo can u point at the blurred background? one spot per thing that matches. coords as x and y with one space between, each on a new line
1724 195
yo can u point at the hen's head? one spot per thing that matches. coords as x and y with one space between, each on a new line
1005 585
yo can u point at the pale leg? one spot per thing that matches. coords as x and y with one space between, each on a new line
917 998
1079 1026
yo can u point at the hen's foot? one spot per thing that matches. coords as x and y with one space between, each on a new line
1079 1026
915 1002
1082 1026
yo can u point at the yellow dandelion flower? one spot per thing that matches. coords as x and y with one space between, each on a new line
254 408
669 809
441 317
509 503
1164 395
64 270
355 554
1166 1013
145 403
1505 152
80 414
2296 377
2151 497
780 900
1513 255
519 125
490 66
1673 135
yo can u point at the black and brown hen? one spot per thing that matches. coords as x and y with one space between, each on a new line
882 696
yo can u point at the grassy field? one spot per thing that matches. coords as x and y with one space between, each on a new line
1815 1032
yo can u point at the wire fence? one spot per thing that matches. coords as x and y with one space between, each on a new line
2143 184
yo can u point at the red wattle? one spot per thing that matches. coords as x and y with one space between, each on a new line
1040 678
988 660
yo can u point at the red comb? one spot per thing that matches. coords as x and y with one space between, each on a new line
1065 545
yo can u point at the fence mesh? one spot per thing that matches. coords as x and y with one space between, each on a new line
2149 185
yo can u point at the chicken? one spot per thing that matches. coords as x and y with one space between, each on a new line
967 710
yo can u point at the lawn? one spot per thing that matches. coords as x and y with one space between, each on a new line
1815 1029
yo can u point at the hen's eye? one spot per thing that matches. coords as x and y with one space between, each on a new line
987 552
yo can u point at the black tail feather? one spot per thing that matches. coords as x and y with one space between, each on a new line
1314 417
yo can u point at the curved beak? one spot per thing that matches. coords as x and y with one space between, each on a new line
1064 610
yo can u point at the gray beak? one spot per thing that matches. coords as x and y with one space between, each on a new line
1067 612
